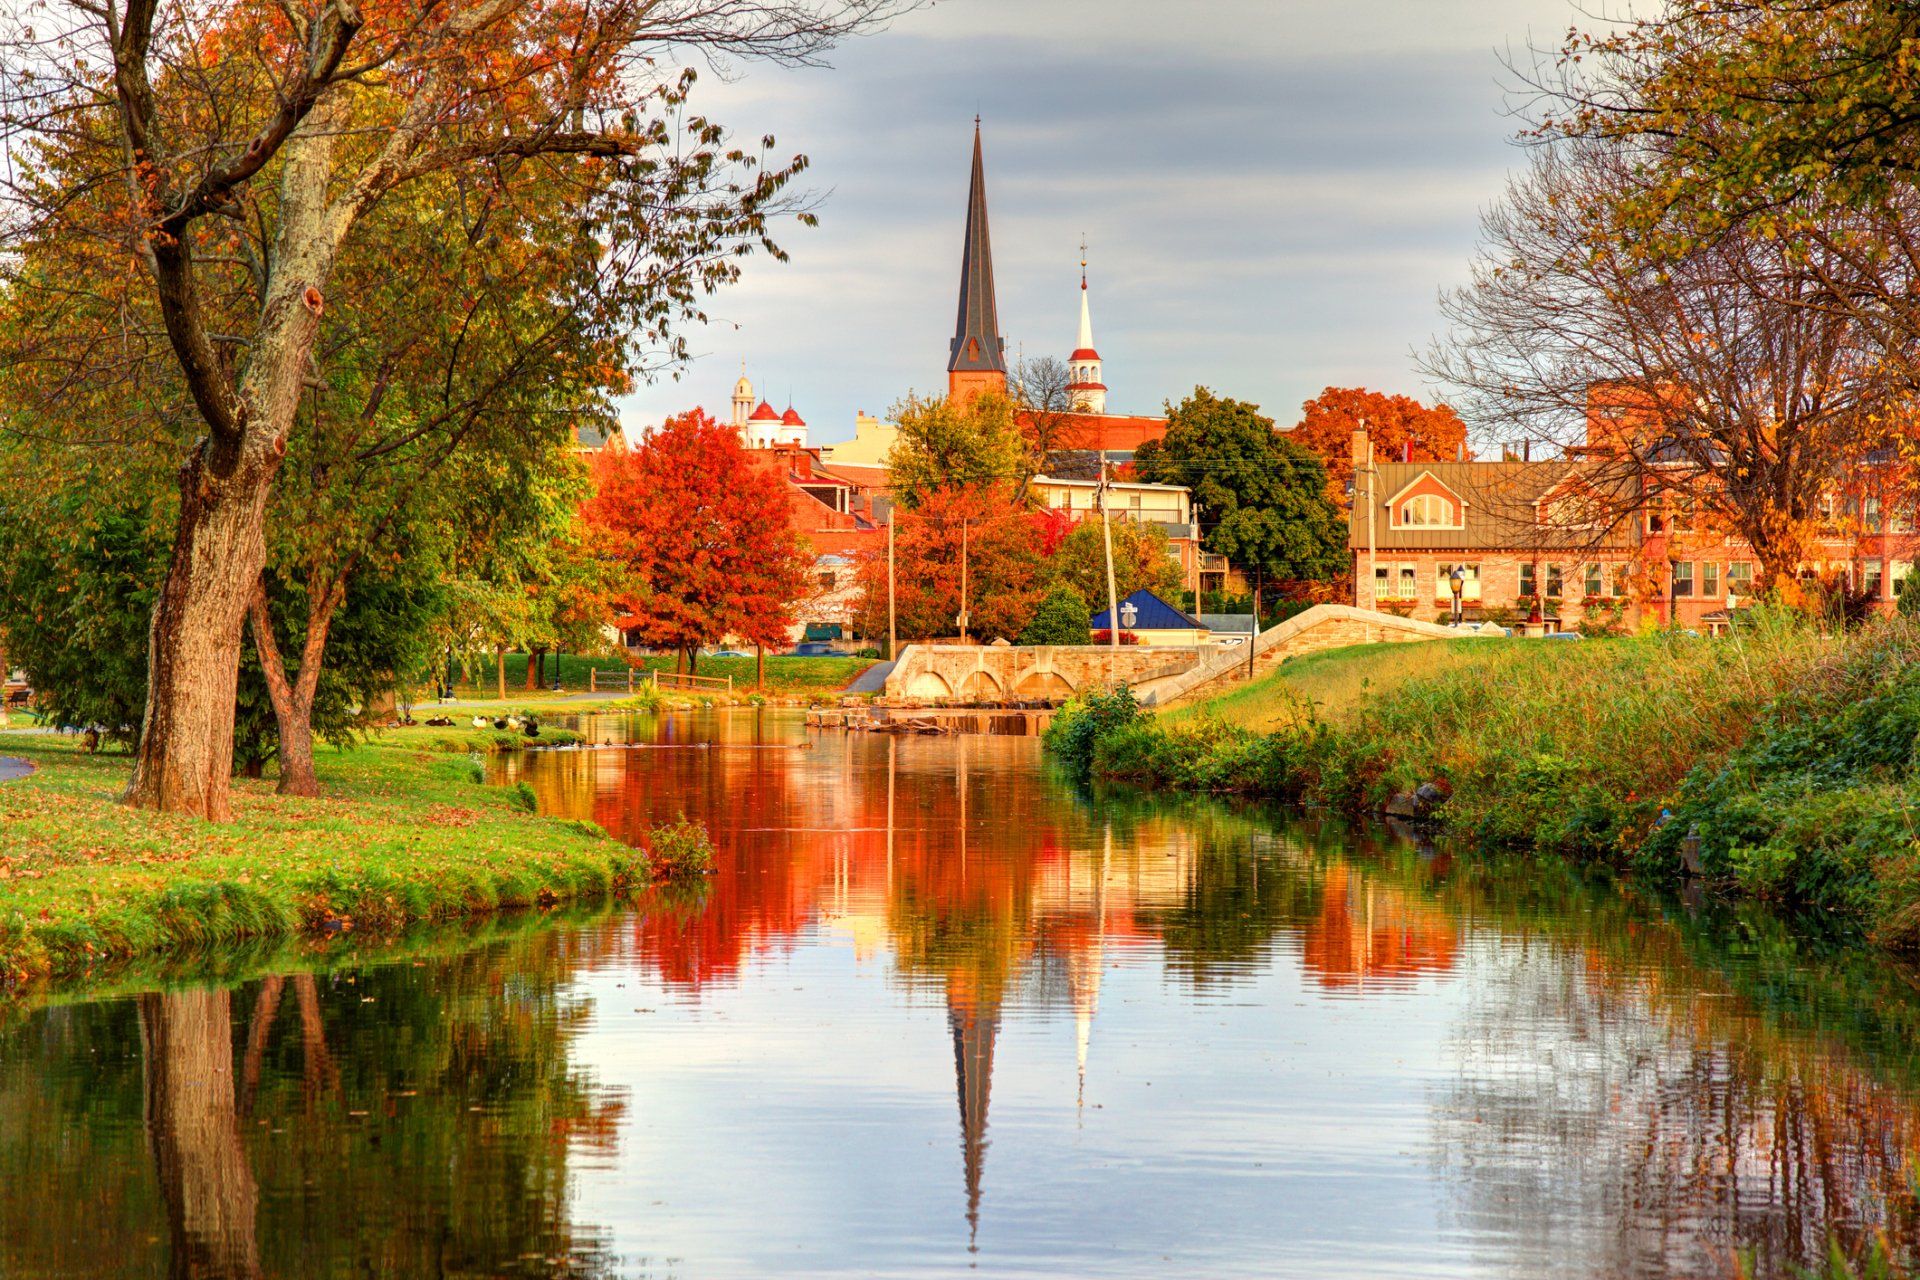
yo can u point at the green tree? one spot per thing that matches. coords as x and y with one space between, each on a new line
1140 561
1262 498
1062 618
945 444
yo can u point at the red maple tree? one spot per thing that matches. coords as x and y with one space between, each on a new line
1399 426
993 529
701 538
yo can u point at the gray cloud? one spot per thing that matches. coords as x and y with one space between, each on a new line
1273 191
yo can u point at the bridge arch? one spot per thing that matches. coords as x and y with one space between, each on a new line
981 684
1043 684
929 684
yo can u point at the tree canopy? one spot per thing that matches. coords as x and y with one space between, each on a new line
698 534
1261 498
1399 427
943 443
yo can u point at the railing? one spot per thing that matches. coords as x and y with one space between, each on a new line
617 675
680 680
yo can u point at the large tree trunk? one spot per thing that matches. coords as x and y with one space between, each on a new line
193 1129
536 662
185 757
500 670
293 698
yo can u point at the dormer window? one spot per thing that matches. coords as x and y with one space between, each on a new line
1427 510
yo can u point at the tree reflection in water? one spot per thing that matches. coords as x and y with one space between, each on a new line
1623 1088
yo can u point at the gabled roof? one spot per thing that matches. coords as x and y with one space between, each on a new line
1426 473
1155 615
1501 500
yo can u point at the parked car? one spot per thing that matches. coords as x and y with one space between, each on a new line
812 649
728 653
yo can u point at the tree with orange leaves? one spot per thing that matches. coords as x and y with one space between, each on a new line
187 179
985 525
1399 427
698 536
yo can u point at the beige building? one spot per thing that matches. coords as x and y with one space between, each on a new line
872 442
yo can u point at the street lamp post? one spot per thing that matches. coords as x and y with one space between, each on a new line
1458 581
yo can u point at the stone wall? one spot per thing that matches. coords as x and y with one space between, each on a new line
973 673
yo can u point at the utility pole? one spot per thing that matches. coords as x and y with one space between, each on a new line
1106 538
1373 590
893 640
963 619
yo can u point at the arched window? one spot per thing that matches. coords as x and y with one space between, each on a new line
1427 509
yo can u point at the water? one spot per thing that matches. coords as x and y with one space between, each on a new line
937 1014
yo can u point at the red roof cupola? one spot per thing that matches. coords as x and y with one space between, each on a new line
792 419
765 413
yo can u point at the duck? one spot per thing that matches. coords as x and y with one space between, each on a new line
480 722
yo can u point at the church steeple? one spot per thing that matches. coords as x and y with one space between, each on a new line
1087 391
977 360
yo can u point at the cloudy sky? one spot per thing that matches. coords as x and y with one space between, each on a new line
1273 191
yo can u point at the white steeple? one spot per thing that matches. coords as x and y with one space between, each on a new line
1088 392
742 401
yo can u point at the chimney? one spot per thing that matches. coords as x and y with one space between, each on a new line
1526 451
1406 449
1359 457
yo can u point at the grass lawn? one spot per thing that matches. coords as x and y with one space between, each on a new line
1331 683
404 832
785 675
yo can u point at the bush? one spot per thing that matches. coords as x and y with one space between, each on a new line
1062 618
679 849
1078 726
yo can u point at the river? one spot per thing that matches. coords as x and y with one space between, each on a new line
939 1013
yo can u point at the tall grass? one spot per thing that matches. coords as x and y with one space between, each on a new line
1791 756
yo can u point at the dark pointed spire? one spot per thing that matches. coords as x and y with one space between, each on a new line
974 1032
978 356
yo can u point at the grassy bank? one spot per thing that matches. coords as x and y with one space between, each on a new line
405 832
1793 757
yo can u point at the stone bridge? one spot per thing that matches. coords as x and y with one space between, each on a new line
982 673
1324 626
1158 675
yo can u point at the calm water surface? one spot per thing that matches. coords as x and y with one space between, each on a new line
937 1014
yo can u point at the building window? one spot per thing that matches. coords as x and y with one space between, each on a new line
1870 571
1526 581
1382 584
1426 509
1682 578
1409 577
1443 582
1620 575
1596 581
1709 580
1740 577
1553 581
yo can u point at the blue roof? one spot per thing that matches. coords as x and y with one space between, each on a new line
1155 614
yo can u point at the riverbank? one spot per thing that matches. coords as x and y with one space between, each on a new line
405 831
1791 758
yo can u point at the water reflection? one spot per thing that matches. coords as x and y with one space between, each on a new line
937 1013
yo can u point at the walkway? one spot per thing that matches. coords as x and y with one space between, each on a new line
13 767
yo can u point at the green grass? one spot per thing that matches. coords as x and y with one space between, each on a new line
1793 756
1329 684
404 832
785 675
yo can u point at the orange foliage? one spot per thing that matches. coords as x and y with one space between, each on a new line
1399 426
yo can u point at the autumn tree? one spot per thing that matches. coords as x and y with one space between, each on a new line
1140 561
185 184
1720 383
942 443
1260 497
698 536
1400 427
986 527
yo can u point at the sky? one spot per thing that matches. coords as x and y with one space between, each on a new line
1273 193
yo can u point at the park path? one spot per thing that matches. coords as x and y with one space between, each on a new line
12 767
